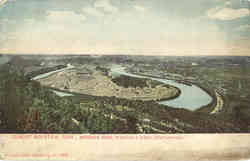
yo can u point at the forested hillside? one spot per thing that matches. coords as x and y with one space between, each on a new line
28 107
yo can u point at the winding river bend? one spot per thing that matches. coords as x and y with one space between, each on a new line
191 97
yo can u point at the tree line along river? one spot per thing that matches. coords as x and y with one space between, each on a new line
191 97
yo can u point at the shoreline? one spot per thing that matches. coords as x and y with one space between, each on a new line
171 97
34 74
87 95
211 105
174 95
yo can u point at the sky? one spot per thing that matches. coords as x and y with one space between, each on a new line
147 27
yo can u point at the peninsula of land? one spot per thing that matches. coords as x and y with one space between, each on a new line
98 83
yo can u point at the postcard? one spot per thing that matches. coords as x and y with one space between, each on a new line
125 80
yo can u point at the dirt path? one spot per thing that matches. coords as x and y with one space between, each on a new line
219 104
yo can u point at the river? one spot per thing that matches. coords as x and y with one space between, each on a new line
52 72
191 97
4 59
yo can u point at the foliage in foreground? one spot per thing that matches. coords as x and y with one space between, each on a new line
27 107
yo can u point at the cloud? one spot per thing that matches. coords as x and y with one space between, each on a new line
106 6
117 26
100 8
139 8
228 3
2 2
65 17
29 21
6 21
93 11
11 0
225 14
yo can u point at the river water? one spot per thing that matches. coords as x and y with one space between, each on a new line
52 72
4 59
191 97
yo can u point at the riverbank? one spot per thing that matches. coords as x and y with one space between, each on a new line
66 86
219 104
97 84
216 105
173 97
158 77
31 107
206 108
34 74
209 107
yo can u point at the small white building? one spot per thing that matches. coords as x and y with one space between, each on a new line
194 64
